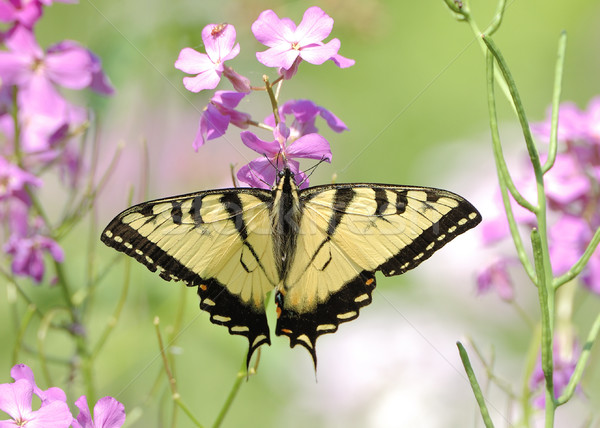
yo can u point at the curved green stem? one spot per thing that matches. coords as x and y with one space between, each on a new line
31 309
581 363
504 179
485 414
558 76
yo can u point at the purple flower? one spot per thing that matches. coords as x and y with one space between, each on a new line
219 42
573 124
27 246
305 113
567 183
22 12
69 66
43 112
496 276
565 358
16 400
278 154
108 413
13 181
21 371
99 83
217 116
288 44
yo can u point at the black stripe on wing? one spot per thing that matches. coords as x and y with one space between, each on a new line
341 306
455 222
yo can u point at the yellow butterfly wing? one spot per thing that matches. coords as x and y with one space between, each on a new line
348 232
219 241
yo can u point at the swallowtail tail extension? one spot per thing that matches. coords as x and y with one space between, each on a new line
318 248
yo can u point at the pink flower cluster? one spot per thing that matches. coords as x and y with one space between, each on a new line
37 125
16 399
288 45
573 194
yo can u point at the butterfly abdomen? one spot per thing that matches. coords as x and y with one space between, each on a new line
285 218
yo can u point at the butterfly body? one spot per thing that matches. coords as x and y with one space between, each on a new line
318 248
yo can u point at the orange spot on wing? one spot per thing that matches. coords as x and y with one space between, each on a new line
203 287
286 331
369 281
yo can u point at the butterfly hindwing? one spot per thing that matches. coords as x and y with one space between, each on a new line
347 233
219 241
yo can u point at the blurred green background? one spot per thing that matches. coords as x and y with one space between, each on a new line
415 103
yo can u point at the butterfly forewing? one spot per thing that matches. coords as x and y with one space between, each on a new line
219 241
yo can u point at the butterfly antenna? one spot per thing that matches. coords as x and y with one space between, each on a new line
310 171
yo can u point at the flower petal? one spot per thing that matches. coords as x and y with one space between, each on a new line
272 31
258 173
219 42
280 56
268 148
318 53
240 83
71 67
310 146
228 99
193 62
23 41
15 398
334 122
54 415
208 79
84 418
109 413
342 61
315 26
213 124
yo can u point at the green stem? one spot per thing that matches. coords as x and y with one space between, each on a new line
273 99
558 76
581 363
31 309
485 414
547 330
504 179
512 87
242 373
501 166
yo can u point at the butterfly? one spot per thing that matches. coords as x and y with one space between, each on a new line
318 248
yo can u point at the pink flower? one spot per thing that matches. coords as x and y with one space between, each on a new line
496 277
16 400
305 113
22 12
219 41
21 371
13 181
69 66
278 154
217 116
288 44
108 413
27 246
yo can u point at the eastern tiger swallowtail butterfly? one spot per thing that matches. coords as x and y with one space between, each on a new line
318 248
